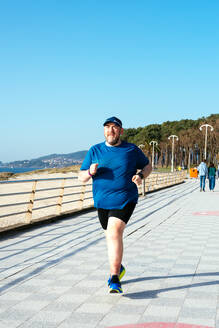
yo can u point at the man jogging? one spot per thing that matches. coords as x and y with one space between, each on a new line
113 166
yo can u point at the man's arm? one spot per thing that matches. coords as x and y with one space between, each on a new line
86 175
145 172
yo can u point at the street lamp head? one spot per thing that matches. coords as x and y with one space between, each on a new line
173 136
206 134
153 142
206 126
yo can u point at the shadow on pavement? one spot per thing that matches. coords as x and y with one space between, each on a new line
154 293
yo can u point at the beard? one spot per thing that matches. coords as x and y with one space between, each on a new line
113 140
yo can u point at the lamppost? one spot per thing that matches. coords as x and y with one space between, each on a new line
206 135
173 137
153 142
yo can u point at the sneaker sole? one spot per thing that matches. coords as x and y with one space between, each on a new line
115 291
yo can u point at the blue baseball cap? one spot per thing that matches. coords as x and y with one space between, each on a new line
114 120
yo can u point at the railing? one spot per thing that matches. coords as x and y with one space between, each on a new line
24 202
161 180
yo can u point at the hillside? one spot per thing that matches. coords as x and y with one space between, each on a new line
49 161
191 140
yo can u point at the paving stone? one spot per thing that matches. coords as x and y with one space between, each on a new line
197 312
14 314
129 308
197 321
157 318
119 319
94 308
163 310
83 319
9 323
53 317
69 324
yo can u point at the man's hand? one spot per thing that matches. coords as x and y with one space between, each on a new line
85 175
93 168
145 172
136 179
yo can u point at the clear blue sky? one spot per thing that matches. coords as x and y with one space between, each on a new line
66 65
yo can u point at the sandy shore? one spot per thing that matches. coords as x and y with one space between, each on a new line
46 197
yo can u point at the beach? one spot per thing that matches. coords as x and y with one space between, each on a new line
49 195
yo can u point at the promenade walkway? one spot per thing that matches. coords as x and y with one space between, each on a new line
55 274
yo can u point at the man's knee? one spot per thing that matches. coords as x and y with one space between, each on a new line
115 228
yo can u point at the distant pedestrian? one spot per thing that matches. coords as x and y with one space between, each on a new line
203 172
211 176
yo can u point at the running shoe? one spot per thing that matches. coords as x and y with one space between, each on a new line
115 286
121 274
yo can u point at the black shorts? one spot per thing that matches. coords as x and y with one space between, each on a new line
123 214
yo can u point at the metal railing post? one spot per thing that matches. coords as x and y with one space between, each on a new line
143 187
157 178
167 179
60 198
82 195
28 215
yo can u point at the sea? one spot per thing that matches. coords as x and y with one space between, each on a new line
18 169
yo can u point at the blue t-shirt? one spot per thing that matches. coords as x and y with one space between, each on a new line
112 184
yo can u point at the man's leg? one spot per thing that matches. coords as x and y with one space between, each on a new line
210 183
204 178
114 236
201 182
213 183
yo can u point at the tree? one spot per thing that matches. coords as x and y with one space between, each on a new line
191 140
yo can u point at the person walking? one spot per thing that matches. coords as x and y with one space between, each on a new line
113 166
211 176
203 172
